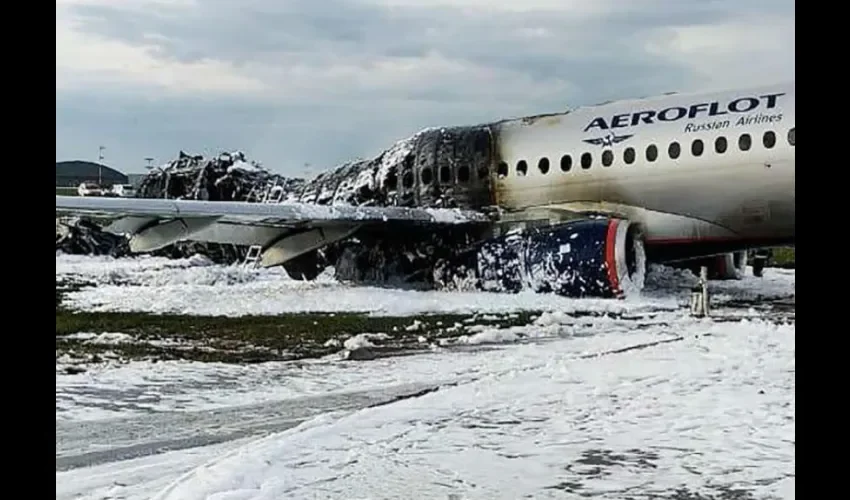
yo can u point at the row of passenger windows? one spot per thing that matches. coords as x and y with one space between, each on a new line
674 151
426 175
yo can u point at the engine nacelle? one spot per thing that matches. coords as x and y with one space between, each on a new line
585 258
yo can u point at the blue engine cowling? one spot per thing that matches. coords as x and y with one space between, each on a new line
599 257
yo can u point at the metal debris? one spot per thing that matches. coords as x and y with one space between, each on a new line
81 236
435 168
227 177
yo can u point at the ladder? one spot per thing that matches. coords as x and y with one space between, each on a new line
274 194
255 252
253 194
254 255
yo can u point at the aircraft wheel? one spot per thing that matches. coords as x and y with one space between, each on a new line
305 267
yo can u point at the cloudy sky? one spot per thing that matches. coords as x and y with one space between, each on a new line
324 81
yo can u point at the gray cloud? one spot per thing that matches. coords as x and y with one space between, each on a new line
339 66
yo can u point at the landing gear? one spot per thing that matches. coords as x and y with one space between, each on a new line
760 258
305 267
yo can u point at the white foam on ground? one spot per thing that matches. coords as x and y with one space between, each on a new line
719 404
138 478
363 340
517 423
194 286
106 391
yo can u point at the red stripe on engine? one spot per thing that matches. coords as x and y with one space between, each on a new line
611 256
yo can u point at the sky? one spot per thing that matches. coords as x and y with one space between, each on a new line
301 86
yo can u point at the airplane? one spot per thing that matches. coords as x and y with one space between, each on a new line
576 203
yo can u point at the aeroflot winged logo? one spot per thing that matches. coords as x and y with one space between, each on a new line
744 110
608 140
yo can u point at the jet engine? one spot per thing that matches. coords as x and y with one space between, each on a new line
598 257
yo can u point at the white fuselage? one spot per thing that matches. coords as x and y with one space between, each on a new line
734 193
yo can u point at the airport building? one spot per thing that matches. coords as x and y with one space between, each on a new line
136 179
73 173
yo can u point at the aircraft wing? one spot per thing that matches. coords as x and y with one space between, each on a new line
293 228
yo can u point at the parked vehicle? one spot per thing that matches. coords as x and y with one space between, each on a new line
124 190
89 189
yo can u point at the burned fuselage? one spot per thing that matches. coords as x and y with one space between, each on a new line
435 168
572 202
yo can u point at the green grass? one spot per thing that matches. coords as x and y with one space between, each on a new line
257 338
783 257
249 339
66 191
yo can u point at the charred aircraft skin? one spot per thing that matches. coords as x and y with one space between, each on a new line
436 168
660 179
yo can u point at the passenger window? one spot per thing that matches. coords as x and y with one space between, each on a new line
521 168
607 158
769 139
791 138
651 153
463 174
697 147
674 150
445 175
543 165
629 156
407 180
586 160
566 163
720 145
745 142
426 175
502 169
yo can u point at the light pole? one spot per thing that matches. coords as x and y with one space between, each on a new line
100 150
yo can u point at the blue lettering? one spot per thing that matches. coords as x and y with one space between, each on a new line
713 111
696 108
645 116
620 121
715 108
597 122
680 112
771 99
753 103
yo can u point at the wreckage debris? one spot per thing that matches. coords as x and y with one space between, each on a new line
80 236
83 237
228 177
435 168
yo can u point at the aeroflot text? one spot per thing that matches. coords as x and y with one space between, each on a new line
675 113
744 120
